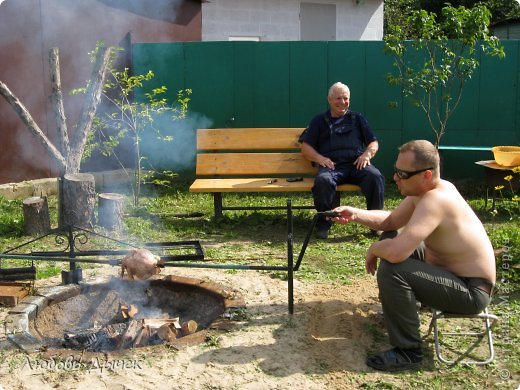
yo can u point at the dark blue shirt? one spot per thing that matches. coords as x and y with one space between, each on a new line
341 139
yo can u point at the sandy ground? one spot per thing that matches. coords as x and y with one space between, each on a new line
323 345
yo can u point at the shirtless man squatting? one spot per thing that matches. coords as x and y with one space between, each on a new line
442 256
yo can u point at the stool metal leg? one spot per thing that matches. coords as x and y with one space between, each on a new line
489 321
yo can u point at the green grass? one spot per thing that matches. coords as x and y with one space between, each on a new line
261 238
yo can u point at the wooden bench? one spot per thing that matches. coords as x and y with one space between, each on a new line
252 160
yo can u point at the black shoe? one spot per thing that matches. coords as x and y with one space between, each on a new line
376 233
396 359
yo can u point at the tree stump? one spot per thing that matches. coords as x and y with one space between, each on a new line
36 221
78 198
110 211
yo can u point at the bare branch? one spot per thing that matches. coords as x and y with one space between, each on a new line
93 96
27 119
57 102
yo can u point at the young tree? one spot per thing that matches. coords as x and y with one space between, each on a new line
434 67
126 117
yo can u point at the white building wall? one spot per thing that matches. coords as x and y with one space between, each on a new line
279 20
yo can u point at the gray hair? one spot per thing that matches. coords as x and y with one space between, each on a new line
338 85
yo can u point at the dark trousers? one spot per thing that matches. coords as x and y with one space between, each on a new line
370 180
401 285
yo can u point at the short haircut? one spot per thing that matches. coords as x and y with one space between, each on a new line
338 85
425 153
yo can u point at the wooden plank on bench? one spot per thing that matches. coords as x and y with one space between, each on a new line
259 185
248 138
253 164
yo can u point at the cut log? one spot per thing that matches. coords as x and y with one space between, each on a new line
189 327
167 332
143 337
129 311
132 332
110 211
36 221
155 323
78 199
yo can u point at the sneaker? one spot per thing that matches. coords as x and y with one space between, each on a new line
322 234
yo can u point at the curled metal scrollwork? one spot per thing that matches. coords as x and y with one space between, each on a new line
79 239
62 240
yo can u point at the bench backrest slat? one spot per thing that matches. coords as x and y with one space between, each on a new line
253 164
248 139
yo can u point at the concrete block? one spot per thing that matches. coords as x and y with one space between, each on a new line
45 187
30 306
59 293
16 323
26 342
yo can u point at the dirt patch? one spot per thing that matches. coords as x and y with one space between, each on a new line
323 345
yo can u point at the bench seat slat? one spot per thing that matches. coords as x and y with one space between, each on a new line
253 164
248 139
258 185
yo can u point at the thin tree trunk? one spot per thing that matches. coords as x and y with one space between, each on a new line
57 103
93 96
27 119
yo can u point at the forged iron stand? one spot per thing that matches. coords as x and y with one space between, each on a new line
71 240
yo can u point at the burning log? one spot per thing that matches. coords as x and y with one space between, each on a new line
155 323
140 264
143 338
168 332
132 332
189 327
129 311
95 339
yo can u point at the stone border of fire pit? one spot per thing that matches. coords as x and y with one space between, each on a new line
17 323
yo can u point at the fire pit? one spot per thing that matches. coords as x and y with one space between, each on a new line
120 314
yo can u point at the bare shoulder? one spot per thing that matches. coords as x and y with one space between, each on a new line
444 191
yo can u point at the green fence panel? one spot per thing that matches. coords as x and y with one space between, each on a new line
210 74
347 63
244 110
308 81
284 84
271 93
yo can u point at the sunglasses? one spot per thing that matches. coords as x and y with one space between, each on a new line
403 175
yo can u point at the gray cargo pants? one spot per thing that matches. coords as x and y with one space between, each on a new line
401 285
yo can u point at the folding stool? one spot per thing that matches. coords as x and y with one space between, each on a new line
488 320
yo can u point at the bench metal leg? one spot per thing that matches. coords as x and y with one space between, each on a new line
217 204
290 258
